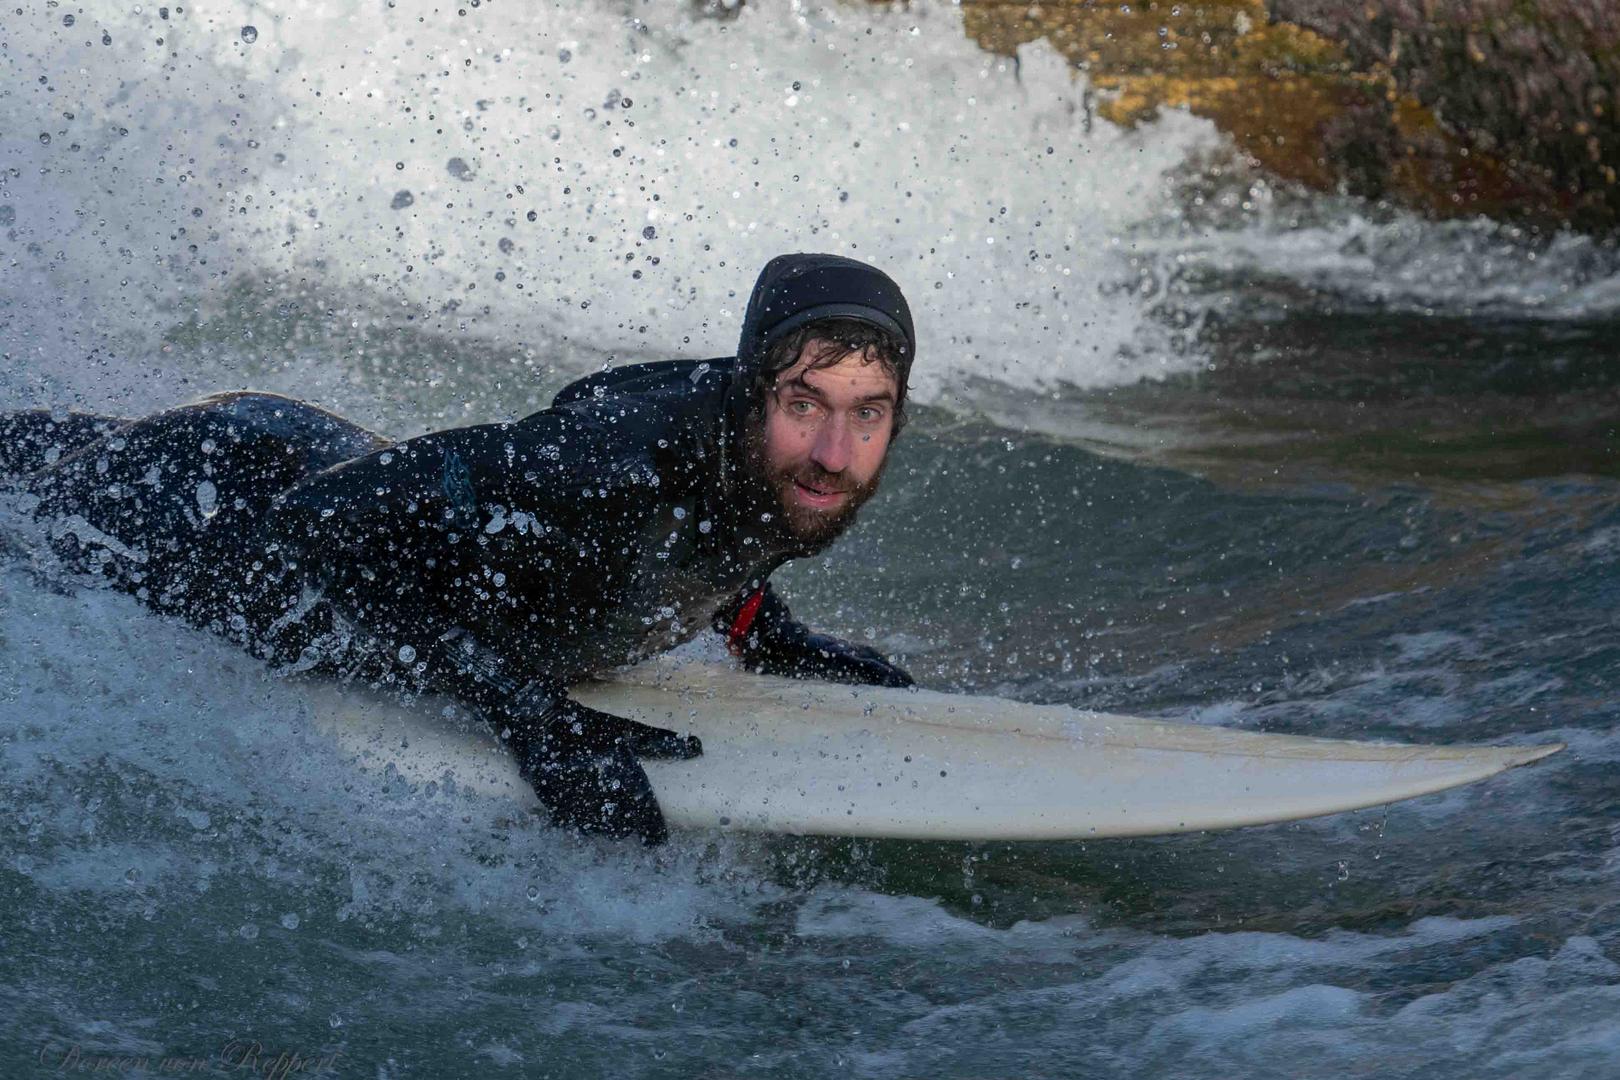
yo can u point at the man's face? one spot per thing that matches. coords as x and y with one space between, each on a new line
825 439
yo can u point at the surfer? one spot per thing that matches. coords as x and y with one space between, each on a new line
502 562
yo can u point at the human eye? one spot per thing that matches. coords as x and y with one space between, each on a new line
801 407
869 414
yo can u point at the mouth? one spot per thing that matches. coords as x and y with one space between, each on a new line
817 496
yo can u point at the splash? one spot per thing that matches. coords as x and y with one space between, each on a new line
568 179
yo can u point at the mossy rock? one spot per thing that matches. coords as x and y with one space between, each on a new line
1322 105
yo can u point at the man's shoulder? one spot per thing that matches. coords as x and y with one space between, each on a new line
674 409
658 422
668 381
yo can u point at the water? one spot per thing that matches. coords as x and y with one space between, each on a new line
1258 459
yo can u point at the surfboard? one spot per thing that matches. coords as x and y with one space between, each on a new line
800 757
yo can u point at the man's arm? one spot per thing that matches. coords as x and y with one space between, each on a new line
762 632
582 763
457 554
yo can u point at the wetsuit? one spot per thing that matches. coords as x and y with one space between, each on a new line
497 563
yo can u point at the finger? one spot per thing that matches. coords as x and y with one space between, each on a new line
651 742
628 807
897 677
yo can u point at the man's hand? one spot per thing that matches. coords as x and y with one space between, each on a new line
584 766
818 656
760 630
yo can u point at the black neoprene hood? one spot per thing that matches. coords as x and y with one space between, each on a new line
797 289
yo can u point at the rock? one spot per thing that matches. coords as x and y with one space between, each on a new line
1533 87
1450 107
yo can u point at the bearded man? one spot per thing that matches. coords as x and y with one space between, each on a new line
501 563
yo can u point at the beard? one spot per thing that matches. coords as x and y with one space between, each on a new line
807 526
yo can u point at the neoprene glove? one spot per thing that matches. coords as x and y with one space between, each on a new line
760 629
818 656
583 765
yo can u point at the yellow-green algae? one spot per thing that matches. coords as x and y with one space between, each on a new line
1417 106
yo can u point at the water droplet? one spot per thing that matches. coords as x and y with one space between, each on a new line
207 498
45 138
67 20
406 654
290 921
250 34
247 931
402 199
648 233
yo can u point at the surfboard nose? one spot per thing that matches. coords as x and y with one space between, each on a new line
1525 755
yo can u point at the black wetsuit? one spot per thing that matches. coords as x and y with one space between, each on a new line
497 563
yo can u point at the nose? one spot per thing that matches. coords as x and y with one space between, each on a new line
831 450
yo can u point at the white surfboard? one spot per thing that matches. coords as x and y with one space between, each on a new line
789 756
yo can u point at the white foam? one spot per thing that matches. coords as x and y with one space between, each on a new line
663 157
1240 1003
149 759
1402 262
1228 1003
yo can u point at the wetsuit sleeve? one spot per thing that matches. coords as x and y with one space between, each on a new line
391 542
762 633
465 557
507 536
584 764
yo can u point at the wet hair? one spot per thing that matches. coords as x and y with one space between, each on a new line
839 338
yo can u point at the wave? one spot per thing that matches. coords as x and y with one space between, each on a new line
588 176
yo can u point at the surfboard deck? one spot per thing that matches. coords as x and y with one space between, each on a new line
800 757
